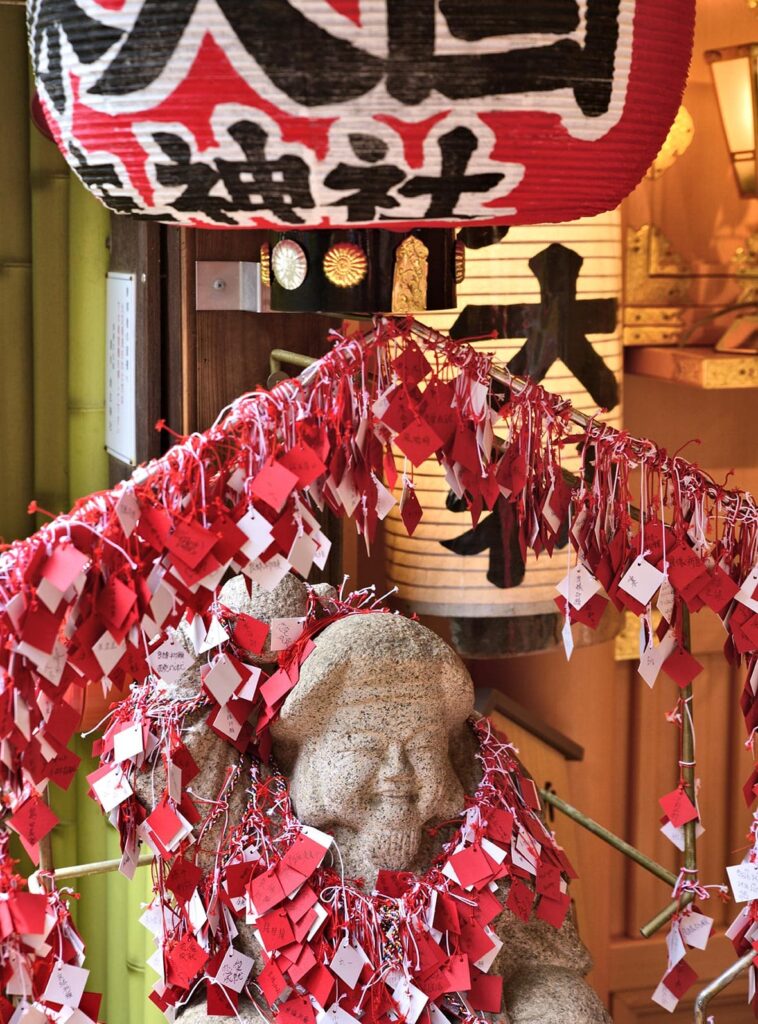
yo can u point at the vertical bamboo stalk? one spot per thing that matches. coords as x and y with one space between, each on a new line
49 221
16 422
688 753
687 769
88 264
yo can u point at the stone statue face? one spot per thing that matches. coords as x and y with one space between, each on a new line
377 774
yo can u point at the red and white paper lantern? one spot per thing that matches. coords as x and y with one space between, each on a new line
384 113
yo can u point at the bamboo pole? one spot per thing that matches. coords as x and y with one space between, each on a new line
609 837
99 867
88 266
49 222
16 421
688 776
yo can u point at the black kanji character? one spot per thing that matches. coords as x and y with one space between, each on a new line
554 328
283 185
197 178
457 148
372 183
280 185
480 238
308 64
414 68
315 68
49 21
101 179
498 534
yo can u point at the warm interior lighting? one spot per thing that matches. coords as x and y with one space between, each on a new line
735 70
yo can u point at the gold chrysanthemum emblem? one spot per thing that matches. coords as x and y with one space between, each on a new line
345 265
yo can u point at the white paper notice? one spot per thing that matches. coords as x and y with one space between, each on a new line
121 369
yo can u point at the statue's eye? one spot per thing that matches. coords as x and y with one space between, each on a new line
363 742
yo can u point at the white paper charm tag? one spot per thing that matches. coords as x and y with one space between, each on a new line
108 652
410 1000
267 574
128 743
696 929
578 586
215 636
66 984
654 657
222 680
665 997
665 601
641 580
675 945
112 789
170 661
127 511
348 962
234 970
743 879
568 639
284 632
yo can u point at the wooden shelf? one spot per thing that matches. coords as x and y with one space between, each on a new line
696 367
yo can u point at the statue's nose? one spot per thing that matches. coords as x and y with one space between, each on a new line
397 767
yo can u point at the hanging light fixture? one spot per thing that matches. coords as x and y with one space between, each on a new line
735 77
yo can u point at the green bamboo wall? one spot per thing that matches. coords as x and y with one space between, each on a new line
53 262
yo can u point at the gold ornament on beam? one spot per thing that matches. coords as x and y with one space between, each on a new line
675 144
409 283
744 266
265 261
345 265
289 264
460 262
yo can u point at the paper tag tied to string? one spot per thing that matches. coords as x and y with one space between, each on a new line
641 580
578 586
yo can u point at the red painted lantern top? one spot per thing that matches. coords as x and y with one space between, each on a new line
391 113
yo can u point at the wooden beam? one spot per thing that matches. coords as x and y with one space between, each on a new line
488 701
702 368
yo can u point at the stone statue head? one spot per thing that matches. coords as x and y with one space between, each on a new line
371 738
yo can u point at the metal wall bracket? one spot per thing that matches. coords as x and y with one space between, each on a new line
228 285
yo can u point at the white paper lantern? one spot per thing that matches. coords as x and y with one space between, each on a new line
431 579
